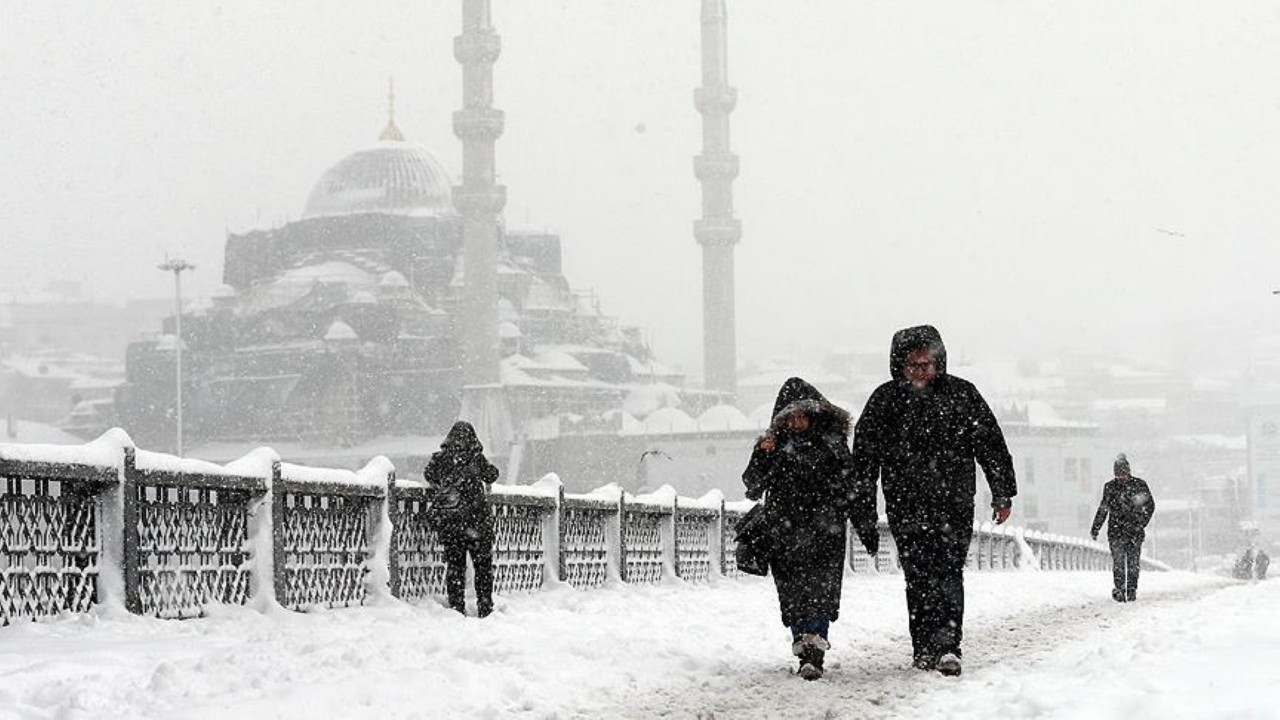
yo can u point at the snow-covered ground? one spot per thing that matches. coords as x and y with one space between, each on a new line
1038 645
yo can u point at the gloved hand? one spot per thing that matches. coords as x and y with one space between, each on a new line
1000 509
1094 534
870 537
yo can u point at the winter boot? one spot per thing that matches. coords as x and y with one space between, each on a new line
1118 595
1131 596
811 663
949 664
925 661
811 649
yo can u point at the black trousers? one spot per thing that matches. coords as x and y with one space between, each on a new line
932 559
479 545
1125 554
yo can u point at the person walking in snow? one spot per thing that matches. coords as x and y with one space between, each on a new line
1127 506
920 435
458 477
800 470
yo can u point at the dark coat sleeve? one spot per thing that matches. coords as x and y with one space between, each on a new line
483 470
990 449
1101 516
1149 508
756 476
868 455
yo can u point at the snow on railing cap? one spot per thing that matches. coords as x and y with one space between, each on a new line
255 463
664 495
610 491
376 471
106 451
330 476
537 489
710 501
550 481
164 462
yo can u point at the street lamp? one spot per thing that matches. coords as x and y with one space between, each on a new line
176 266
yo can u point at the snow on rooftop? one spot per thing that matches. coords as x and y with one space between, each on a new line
724 417
669 420
1150 404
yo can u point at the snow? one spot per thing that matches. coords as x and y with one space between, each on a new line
1038 645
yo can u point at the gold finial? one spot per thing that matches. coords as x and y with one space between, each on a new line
391 132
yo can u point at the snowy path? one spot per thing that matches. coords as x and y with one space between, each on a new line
1042 645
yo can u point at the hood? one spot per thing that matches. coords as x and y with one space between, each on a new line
910 339
462 439
798 395
792 390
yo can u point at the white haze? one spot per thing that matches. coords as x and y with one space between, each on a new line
1028 176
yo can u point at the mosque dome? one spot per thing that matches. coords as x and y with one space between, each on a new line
392 177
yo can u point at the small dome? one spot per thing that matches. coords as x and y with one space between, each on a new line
392 177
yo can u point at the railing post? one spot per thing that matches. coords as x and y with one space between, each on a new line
716 537
278 574
552 555
670 553
130 540
621 524
393 552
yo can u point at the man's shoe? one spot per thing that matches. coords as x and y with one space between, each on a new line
1131 596
1118 595
925 662
949 664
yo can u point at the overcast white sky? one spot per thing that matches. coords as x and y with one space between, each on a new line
1022 174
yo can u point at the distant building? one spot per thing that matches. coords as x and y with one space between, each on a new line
344 325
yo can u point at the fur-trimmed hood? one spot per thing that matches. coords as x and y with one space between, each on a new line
797 395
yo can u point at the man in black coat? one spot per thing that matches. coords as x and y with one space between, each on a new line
1128 502
920 435
458 477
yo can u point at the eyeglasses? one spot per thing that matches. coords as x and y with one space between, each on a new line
920 365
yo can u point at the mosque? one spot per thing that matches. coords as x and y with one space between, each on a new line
401 301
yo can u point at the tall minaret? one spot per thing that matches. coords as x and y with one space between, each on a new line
717 231
480 201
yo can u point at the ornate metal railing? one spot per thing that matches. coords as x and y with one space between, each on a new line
162 536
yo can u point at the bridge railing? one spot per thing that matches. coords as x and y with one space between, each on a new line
105 523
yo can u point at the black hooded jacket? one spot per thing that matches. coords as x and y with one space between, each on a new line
808 469
922 444
459 474
1129 505
808 478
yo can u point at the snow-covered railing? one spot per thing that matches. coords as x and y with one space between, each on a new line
105 523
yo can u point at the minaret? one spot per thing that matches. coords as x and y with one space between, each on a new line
480 201
391 133
717 231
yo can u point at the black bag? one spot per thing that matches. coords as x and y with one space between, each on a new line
755 542
444 506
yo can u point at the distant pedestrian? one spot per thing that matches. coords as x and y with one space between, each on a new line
920 435
458 477
1260 563
800 469
1128 502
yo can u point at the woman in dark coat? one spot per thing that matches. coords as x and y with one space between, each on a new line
458 478
801 466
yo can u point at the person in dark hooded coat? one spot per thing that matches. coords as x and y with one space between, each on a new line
801 468
458 477
1127 506
920 435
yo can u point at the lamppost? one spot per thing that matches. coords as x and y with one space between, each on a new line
176 266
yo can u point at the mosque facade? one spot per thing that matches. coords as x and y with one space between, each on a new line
346 324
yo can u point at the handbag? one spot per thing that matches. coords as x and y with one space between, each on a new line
754 538
444 506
